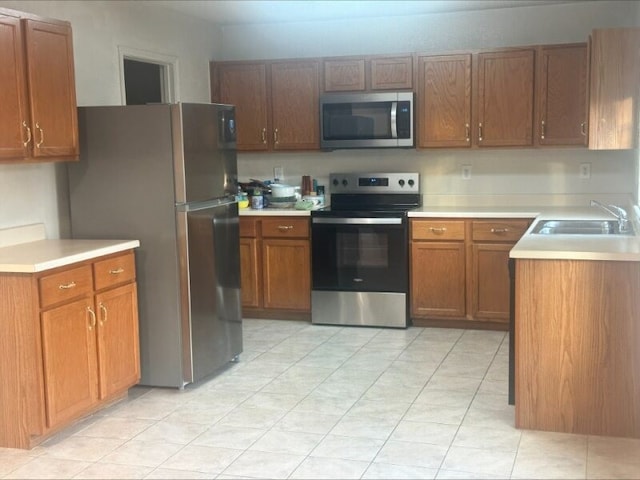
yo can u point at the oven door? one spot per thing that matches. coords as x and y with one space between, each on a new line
359 254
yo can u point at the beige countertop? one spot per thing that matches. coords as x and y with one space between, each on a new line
292 212
25 250
475 212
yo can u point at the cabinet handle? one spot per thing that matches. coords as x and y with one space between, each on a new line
275 136
480 131
116 271
41 135
542 129
438 229
499 230
264 135
284 228
25 143
92 324
467 132
66 286
583 129
103 309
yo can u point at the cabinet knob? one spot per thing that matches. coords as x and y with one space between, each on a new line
499 230
26 142
543 129
66 286
103 309
284 228
41 135
583 128
275 136
467 132
116 271
264 135
480 132
92 315
438 229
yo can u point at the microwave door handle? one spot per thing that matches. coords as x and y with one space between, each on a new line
394 119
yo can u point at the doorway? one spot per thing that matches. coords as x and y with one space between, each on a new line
147 77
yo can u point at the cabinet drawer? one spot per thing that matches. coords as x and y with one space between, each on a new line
497 230
249 227
65 285
285 227
113 271
437 230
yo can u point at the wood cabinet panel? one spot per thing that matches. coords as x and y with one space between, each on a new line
245 86
562 95
505 98
65 285
117 333
437 230
295 108
50 72
576 347
444 101
249 227
14 114
342 75
286 268
250 278
613 99
71 383
437 279
114 271
498 230
391 73
490 282
283 227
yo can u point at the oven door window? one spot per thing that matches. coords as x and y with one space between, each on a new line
360 258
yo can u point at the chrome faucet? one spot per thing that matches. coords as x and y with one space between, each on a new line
616 211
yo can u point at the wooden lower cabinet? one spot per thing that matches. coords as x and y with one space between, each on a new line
275 259
75 345
459 270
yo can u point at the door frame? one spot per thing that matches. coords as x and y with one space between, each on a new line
169 71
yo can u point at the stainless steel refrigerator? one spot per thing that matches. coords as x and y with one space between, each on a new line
167 175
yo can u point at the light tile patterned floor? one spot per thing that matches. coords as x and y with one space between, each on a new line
310 401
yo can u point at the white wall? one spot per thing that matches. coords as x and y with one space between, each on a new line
526 175
37 193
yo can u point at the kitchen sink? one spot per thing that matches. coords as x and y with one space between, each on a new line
579 227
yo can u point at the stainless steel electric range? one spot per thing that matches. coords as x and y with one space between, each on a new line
360 250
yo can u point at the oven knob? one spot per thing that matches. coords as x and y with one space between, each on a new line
344 182
335 182
401 182
411 182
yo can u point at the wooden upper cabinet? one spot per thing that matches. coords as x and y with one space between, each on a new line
444 101
504 110
52 89
350 74
342 75
562 95
38 120
295 110
391 73
614 80
276 103
14 111
245 86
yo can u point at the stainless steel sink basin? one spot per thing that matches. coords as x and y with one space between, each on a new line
578 227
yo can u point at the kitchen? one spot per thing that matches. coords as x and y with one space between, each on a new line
36 193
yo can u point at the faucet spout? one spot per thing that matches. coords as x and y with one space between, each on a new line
618 212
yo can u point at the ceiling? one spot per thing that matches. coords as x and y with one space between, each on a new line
230 12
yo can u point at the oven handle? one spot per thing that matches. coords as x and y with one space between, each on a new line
356 221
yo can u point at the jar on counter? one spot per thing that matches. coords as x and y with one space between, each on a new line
257 200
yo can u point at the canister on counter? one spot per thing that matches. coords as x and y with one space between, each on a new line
257 200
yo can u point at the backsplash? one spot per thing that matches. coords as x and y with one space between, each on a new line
513 176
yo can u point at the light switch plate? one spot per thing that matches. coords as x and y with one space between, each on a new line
466 172
585 170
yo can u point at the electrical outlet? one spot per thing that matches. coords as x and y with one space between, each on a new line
466 172
585 170
278 174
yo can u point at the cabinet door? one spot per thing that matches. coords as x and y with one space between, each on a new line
69 358
505 98
391 73
490 282
562 95
14 115
344 75
294 101
118 344
613 96
437 279
52 90
245 86
444 101
286 268
250 279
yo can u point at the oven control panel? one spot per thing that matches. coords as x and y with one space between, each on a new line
374 182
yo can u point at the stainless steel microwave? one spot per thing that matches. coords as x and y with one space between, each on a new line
366 120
